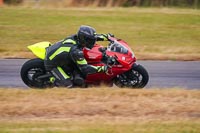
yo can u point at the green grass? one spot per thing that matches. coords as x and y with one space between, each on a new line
166 33
53 126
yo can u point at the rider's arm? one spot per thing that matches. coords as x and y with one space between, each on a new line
80 61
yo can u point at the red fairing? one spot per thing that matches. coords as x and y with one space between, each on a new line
118 49
93 55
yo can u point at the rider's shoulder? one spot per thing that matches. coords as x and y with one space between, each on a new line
70 40
73 37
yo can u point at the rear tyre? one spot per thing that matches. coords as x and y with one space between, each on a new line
137 77
30 72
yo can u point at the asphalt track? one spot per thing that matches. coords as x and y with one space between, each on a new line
163 74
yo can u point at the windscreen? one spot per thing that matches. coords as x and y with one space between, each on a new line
116 46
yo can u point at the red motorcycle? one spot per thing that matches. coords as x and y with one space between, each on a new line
123 70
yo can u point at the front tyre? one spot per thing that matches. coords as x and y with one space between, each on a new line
30 72
137 77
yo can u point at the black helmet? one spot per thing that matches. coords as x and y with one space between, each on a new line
87 36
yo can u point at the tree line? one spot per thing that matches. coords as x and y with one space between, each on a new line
122 3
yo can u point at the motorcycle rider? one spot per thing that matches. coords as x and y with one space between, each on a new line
65 58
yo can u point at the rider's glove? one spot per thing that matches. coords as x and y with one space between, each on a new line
102 69
107 36
106 69
110 35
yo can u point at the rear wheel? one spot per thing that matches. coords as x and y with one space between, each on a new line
30 72
137 77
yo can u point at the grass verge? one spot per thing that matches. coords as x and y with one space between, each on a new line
99 110
153 33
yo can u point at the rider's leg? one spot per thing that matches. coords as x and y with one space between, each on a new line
62 79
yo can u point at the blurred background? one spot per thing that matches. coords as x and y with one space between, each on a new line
154 29
107 3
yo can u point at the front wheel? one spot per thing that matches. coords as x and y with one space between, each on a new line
137 77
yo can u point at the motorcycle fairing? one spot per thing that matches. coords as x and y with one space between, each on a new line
39 49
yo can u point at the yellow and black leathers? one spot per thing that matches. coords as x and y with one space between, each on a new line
66 56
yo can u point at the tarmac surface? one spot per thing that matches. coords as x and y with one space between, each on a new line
162 74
